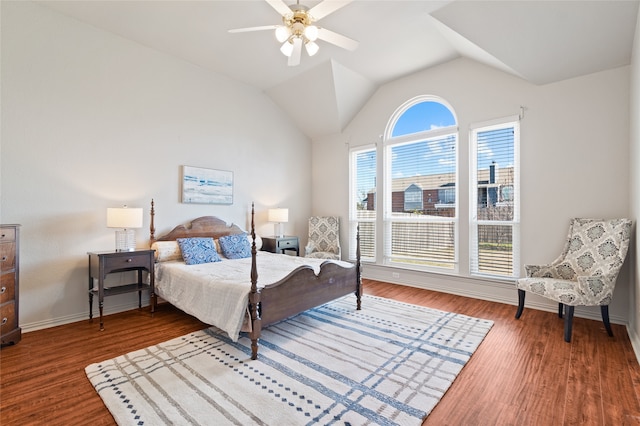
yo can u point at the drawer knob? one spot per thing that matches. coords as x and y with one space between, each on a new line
4 258
4 320
3 289
129 260
3 235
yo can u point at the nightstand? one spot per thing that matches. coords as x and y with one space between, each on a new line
280 244
103 263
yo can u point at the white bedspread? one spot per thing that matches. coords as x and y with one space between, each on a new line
218 293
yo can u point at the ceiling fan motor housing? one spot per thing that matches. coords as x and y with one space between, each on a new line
298 20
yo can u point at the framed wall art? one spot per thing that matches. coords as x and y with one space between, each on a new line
206 186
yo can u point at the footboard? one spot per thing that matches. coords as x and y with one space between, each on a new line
303 289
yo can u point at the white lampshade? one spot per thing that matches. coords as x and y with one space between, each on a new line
282 33
125 219
278 215
312 48
286 48
311 33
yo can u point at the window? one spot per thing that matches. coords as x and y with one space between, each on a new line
420 178
495 199
405 193
362 206
413 198
447 196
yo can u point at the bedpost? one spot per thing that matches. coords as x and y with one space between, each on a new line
152 228
358 273
254 295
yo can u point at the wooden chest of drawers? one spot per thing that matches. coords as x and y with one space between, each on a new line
10 332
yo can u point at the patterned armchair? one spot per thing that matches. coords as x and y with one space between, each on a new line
324 238
586 271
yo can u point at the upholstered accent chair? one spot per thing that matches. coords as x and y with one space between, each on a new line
324 238
585 273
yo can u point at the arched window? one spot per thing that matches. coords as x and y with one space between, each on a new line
421 143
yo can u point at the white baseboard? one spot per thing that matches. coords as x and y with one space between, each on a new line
476 288
84 316
635 341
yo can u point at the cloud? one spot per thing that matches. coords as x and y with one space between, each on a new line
484 150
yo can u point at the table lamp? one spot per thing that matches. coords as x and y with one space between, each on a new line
126 219
279 216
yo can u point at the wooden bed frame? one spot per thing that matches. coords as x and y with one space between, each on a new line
299 291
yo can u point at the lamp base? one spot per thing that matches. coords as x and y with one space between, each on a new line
125 240
278 229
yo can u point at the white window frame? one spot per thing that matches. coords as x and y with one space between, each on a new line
386 209
353 199
474 223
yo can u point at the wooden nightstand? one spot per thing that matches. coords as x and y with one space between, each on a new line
106 262
280 244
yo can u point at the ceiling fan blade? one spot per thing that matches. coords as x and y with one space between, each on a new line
337 39
246 30
294 59
326 7
280 6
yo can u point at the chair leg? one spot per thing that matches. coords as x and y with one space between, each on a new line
560 307
521 295
605 319
568 323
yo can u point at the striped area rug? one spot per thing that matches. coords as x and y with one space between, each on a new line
389 363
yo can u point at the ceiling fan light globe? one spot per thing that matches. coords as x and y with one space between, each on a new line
286 48
311 33
297 29
312 48
282 34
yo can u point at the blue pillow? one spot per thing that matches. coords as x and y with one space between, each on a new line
235 246
198 250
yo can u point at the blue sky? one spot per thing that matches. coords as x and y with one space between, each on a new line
423 116
433 156
495 146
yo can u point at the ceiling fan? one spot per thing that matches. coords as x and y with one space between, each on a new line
298 28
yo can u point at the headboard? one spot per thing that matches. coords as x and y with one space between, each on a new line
205 226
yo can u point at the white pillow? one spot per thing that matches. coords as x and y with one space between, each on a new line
258 241
166 250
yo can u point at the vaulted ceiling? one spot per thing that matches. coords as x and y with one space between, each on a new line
540 41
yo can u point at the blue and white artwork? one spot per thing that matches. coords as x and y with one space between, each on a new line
206 186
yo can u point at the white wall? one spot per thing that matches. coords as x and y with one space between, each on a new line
574 161
91 120
634 194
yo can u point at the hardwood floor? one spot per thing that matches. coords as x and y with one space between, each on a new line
522 374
